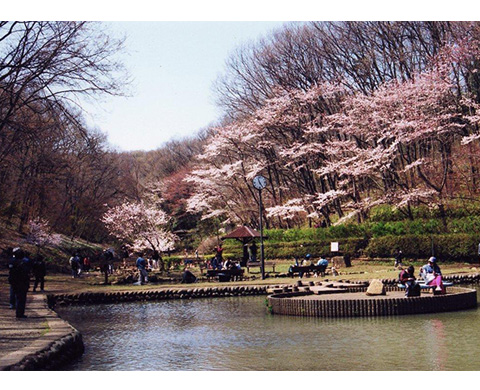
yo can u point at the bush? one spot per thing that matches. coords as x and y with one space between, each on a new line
290 250
453 210
315 234
458 247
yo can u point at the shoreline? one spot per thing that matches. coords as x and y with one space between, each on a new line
58 342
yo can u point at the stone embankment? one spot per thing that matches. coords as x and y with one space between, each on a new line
154 295
358 304
301 300
55 343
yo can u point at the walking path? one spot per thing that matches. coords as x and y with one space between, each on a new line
21 338
16 334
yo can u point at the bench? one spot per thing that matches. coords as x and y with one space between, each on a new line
306 269
424 286
251 264
224 275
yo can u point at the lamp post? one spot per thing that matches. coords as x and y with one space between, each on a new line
259 182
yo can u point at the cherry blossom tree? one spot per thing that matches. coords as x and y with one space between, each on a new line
140 225
399 140
328 150
265 143
41 234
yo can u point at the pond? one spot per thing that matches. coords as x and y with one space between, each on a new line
238 333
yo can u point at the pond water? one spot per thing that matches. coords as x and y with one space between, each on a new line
237 333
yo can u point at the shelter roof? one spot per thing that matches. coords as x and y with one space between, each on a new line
242 232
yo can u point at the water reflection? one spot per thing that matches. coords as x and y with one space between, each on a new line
239 334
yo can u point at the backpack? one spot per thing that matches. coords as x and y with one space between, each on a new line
414 291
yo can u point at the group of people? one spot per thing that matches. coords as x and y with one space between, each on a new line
20 267
143 266
77 265
308 261
431 275
220 264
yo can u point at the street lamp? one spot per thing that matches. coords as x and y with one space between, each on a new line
259 182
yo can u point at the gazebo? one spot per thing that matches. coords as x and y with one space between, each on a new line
245 235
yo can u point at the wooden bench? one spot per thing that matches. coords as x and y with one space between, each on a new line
306 269
224 275
251 264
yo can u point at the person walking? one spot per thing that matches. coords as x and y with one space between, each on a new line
156 259
75 265
19 279
39 271
219 252
142 270
86 264
398 258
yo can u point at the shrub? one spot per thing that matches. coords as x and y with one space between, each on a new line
290 250
316 234
459 247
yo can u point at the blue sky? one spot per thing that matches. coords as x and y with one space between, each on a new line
174 62
173 65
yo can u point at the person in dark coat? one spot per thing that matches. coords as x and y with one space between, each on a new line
19 279
407 278
253 252
398 258
9 255
39 271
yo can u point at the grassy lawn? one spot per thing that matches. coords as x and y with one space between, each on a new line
360 270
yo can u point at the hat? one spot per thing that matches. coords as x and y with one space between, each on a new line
308 255
432 259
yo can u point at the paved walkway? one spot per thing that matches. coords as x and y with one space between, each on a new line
22 337
18 333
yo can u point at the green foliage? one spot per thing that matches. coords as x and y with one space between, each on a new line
386 230
232 254
386 213
459 247
292 249
172 261
453 210
398 228
315 234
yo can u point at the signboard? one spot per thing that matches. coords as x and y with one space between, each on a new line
334 247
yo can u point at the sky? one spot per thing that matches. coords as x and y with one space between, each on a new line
176 50
173 66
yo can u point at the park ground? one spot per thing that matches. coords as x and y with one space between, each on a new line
361 269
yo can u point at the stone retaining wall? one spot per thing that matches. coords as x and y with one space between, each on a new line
56 355
61 344
458 298
154 295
